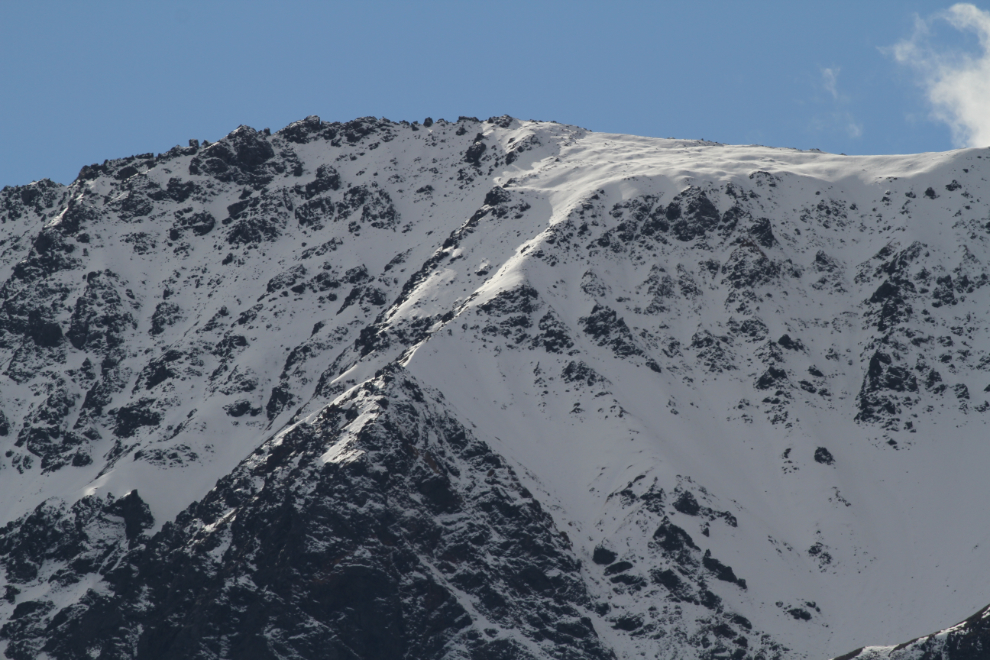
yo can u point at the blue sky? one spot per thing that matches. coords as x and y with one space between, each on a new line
81 82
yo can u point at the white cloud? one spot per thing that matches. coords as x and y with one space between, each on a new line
957 84
830 78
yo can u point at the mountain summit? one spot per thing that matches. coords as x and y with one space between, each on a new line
496 390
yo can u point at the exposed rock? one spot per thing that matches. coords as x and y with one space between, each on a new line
383 384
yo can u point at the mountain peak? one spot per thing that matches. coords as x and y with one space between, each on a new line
493 388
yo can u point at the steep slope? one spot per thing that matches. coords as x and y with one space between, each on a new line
967 640
493 389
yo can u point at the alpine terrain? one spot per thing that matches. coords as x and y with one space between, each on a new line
496 390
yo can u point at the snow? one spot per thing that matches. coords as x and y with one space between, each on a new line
905 528
897 497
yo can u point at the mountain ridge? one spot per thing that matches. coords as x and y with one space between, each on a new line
641 333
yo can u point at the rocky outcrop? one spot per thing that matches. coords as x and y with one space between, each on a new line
488 389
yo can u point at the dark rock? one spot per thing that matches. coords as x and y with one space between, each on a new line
608 329
303 131
327 179
790 344
50 254
91 172
687 504
824 456
741 621
236 157
278 401
240 408
713 351
43 332
825 264
199 224
603 555
160 370
358 129
752 329
166 314
136 514
691 215
126 172
672 582
315 213
762 233
894 300
710 600
77 215
673 539
618 567
374 536
724 630
628 623
731 219
772 378
553 335
100 394
365 297
519 300
882 375
286 279
520 147
748 266
474 153
944 293
100 318
128 419
581 373
229 345
720 570
179 191
254 230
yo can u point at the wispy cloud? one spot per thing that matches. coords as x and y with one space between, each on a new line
830 78
957 84
839 118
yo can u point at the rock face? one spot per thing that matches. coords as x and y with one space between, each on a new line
494 389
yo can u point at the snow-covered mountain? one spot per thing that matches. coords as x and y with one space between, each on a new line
495 390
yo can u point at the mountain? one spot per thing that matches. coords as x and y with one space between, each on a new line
495 389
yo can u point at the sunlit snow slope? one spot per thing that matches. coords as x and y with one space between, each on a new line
495 389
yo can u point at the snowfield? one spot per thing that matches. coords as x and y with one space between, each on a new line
496 389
